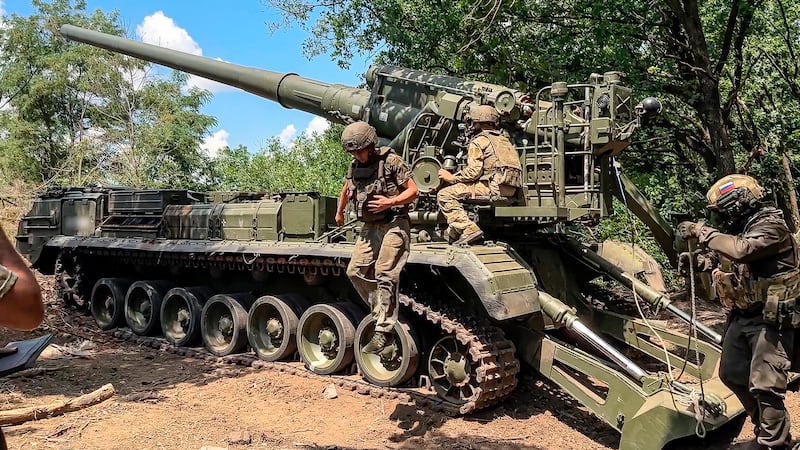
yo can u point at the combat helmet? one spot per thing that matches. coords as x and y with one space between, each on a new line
359 135
732 198
484 114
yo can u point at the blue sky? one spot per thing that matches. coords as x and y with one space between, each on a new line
237 32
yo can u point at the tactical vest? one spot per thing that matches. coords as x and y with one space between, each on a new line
369 180
501 166
738 286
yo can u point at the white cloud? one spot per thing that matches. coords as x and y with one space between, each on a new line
318 125
288 134
2 9
158 29
214 143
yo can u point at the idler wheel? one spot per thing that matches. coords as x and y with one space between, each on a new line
450 371
396 364
107 302
272 325
180 314
325 337
223 323
143 306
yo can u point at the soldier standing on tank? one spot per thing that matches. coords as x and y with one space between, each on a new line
20 296
756 277
379 187
493 170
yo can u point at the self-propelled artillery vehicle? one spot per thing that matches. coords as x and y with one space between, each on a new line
265 272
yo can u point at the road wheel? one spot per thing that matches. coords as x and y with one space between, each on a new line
325 337
272 325
396 364
107 302
223 323
180 314
143 306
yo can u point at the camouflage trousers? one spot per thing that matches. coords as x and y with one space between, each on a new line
380 253
449 204
755 361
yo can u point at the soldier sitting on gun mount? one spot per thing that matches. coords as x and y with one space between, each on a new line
379 186
755 271
493 170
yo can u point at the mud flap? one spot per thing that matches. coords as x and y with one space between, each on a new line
25 356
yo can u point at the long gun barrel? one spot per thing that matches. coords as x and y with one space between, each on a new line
332 101
565 133
398 96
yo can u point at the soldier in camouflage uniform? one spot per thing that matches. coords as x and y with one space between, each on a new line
379 187
754 264
20 296
493 170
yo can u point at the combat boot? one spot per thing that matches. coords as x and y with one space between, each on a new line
380 340
754 445
451 234
472 235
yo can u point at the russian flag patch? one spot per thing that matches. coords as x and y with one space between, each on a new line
727 187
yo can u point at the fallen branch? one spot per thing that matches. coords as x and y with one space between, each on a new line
22 415
32 372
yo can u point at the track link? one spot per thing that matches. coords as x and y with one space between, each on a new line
496 367
492 356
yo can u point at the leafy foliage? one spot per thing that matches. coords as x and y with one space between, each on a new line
310 163
724 70
75 114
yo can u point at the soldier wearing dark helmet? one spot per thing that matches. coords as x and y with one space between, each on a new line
754 263
493 170
379 187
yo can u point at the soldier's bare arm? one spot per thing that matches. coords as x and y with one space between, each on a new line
20 296
406 196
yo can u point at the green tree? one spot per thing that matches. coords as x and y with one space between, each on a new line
309 163
698 57
75 114
154 133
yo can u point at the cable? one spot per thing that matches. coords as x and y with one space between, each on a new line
692 396
636 299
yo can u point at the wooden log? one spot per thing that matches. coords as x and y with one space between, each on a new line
22 415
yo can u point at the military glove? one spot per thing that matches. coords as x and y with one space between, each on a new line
700 261
688 230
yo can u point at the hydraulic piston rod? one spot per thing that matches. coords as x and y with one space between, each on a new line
650 295
562 313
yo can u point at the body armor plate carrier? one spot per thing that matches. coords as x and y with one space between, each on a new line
369 180
501 166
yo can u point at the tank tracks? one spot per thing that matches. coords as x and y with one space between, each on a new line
491 354
69 283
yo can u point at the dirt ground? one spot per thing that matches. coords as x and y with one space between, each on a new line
165 401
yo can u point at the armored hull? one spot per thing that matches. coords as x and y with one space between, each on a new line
264 275
245 273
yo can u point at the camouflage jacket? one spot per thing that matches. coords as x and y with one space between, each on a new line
7 280
746 262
